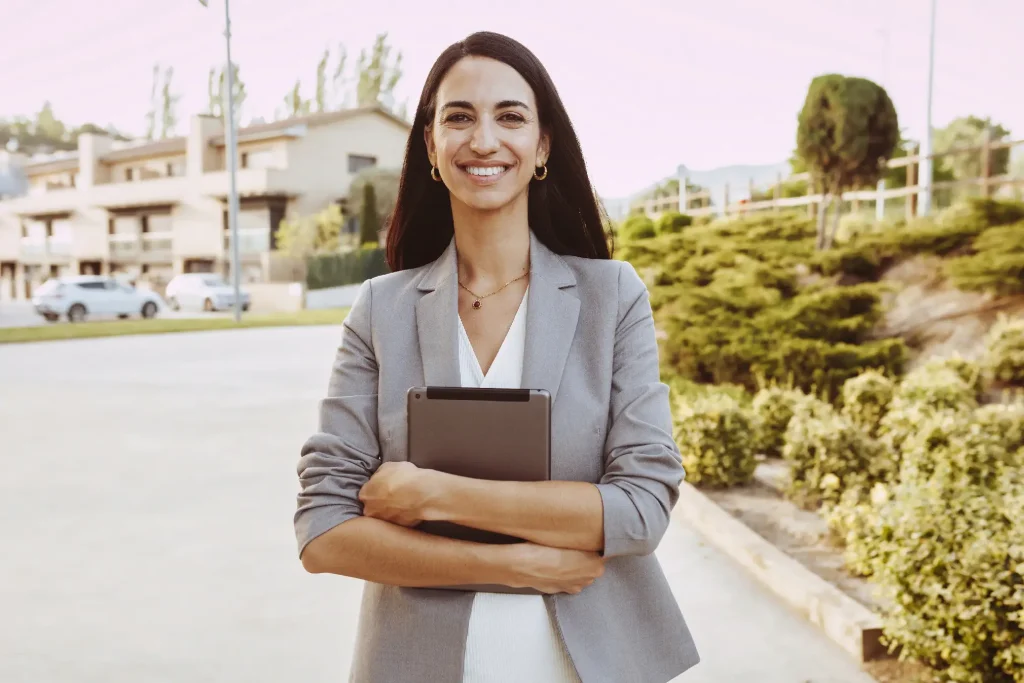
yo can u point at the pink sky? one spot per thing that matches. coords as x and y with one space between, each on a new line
649 84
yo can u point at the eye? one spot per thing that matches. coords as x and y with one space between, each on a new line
513 117
457 117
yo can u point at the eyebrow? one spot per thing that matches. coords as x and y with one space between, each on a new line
464 104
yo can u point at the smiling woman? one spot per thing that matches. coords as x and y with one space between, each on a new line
502 280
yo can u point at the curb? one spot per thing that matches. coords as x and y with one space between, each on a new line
851 625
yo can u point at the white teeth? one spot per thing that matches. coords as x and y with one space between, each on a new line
485 171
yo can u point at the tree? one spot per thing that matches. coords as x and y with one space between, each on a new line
848 130
385 188
216 88
969 131
309 235
162 118
369 219
378 74
47 125
295 104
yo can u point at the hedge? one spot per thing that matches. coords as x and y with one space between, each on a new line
1004 351
773 407
336 270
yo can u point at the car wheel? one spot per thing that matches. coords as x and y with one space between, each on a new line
245 307
149 310
173 303
76 313
51 317
122 316
208 305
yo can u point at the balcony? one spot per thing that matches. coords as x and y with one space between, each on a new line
34 249
251 241
157 246
251 182
152 192
125 247
57 201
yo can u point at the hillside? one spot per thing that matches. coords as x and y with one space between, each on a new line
745 300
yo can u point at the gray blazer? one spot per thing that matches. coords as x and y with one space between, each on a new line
591 344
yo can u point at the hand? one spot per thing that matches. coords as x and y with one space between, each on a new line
397 493
554 570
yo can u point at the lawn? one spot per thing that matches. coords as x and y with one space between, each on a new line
114 328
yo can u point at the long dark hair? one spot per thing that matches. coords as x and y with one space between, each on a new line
563 209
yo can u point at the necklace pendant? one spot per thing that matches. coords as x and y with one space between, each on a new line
477 304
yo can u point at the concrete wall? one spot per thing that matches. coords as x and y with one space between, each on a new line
275 297
332 297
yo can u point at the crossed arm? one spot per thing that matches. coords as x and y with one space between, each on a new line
353 513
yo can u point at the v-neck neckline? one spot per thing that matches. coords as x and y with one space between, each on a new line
478 371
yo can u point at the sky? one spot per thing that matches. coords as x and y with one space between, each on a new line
649 84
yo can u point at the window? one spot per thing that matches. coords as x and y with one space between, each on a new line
129 174
92 285
257 158
245 160
358 162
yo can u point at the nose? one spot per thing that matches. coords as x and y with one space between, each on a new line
485 138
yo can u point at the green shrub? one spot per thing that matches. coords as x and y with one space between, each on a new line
716 437
937 386
335 270
969 371
866 399
855 521
828 454
948 554
637 227
773 406
672 222
1004 351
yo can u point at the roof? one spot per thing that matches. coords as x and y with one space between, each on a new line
277 128
157 148
46 166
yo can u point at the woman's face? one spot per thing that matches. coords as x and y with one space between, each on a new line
485 139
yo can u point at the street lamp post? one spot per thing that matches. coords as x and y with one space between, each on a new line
925 181
231 139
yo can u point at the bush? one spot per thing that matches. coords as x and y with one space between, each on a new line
716 437
1004 351
856 522
969 371
637 227
672 222
921 396
828 454
949 555
335 270
866 399
773 406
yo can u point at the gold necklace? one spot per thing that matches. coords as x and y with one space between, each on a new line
478 298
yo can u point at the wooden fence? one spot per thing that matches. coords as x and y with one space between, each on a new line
882 199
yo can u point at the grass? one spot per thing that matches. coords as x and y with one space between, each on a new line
117 328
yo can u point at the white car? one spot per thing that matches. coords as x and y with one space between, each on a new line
92 296
205 291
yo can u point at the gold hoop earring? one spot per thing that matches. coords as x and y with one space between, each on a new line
543 175
434 174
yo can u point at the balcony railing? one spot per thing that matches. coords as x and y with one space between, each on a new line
33 246
124 246
157 245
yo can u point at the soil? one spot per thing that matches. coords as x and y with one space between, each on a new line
804 536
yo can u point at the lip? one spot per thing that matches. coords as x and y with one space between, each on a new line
485 180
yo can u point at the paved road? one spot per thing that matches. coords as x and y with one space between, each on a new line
145 512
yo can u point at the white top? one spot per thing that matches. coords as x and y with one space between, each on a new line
511 637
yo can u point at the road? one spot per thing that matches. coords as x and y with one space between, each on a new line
147 486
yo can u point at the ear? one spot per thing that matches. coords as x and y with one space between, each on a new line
428 138
543 149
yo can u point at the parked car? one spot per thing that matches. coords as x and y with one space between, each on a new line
92 296
205 291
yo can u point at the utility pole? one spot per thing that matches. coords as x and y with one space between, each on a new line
231 138
924 203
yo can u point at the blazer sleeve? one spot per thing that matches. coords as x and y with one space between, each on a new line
344 452
643 467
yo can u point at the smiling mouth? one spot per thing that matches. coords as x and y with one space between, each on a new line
485 172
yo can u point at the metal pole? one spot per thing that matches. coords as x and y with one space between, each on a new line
232 152
924 204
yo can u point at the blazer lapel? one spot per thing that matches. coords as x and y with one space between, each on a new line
551 318
436 322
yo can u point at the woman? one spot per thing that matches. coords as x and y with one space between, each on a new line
502 278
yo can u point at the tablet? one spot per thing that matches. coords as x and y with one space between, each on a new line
493 434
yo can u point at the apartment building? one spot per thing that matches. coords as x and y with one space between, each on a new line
152 210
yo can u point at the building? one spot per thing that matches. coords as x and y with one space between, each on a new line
152 210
